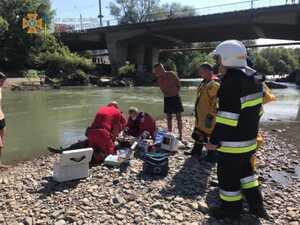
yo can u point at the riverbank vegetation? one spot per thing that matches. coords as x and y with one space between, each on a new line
21 51
267 61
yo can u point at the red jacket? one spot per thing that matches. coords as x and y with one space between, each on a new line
143 122
100 133
106 117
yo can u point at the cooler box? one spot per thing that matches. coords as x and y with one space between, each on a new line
169 142
72 165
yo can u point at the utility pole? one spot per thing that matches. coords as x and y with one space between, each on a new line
252 4
100 13
81 24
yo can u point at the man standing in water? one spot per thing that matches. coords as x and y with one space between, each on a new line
169 84
2 120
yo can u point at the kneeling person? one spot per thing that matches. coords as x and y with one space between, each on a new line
101 135
107 125
139 122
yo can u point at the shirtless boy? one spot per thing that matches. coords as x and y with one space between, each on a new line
170 86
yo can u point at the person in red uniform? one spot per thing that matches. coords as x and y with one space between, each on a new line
107 125
139 122
101 135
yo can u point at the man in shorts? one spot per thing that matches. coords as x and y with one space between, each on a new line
2 119
169 84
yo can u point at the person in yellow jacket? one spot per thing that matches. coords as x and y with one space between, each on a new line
205 110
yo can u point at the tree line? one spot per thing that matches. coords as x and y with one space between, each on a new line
267 61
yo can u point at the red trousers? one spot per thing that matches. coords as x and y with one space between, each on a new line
102 142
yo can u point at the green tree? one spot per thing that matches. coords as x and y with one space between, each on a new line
16 43
3 26
262 65
177 10
21 51
283 60
136 11
199 58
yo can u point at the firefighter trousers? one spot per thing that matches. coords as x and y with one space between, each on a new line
236 179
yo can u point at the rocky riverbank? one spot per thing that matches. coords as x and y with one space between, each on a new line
126 196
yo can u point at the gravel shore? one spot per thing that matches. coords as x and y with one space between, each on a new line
126 196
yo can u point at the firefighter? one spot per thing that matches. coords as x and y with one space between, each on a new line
205 111
234 137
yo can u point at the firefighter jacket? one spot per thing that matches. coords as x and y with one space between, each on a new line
240 101
206 105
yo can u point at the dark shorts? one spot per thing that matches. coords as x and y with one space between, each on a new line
2 124
173 105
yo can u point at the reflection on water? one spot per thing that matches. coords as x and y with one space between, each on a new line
59 117
286 107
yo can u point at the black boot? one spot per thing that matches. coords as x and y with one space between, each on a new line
196 151
221 213
255 202
260 213
211 156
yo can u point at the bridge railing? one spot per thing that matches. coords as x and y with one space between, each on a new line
81 24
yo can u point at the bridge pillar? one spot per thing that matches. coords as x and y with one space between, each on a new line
118 52
155 56
140 59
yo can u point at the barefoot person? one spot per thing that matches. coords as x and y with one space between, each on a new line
170 86
2 119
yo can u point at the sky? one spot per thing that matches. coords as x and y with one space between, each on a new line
89 9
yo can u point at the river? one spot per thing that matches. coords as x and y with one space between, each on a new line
59 117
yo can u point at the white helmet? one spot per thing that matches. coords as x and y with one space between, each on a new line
232 53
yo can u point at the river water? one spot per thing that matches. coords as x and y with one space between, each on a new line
59 117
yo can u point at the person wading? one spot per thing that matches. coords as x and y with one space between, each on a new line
170 85
205 110
240 100
2 120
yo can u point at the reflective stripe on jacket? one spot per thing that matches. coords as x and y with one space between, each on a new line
240 100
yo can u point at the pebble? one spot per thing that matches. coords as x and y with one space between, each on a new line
194 205
111 196
203 207
159 213
28 221
60 222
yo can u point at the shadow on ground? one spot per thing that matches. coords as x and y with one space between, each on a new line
191 181
50 186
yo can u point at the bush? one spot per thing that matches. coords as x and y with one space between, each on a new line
79 77
127 71
196 62
31 74
57 64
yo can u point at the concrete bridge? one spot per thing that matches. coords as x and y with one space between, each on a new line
140 43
